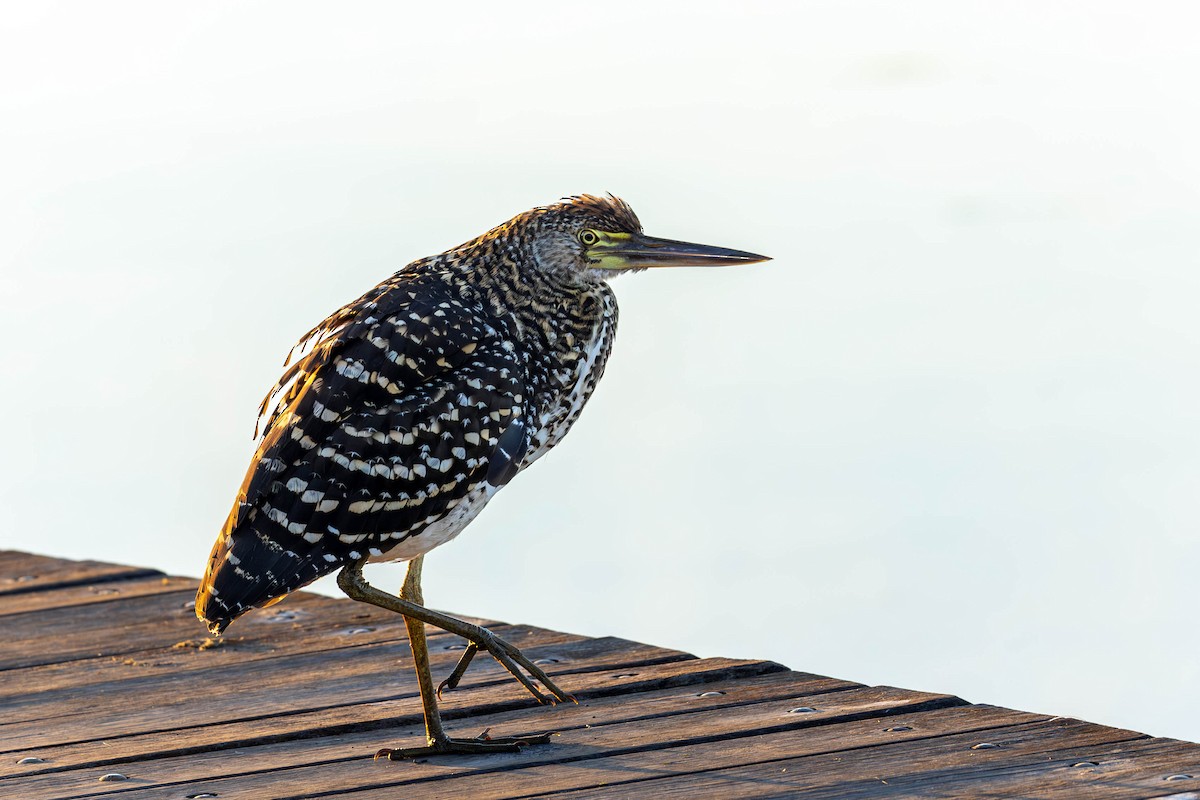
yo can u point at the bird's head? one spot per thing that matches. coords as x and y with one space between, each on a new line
600 237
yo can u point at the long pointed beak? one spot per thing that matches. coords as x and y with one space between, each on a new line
639 251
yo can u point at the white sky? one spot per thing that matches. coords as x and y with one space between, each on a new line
946 440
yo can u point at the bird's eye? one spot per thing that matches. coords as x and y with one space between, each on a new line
588 237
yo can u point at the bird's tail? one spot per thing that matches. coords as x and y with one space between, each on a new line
217 600
249 568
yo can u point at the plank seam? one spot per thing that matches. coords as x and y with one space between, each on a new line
99 579
88 602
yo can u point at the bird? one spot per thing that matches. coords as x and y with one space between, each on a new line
401 414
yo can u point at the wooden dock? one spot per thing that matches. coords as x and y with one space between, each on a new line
108 687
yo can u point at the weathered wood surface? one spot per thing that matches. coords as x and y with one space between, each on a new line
104 669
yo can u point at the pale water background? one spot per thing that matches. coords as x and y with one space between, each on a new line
947 439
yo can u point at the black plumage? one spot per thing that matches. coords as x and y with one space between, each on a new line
392 421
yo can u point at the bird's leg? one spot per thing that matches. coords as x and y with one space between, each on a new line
351 581
409 604
411 591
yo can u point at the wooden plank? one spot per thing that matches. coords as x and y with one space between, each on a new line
1136 769
303 623
625 770
351 773
107 629
387 722
132 625
350 748
146 699
21 573
87 593
312 682
203 664
879 771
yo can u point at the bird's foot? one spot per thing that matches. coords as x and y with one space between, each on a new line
512 659
481 744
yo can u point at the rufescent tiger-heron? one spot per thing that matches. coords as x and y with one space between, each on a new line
407 409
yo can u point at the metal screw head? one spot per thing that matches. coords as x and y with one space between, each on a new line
1082 764
802 710
896 728
113 776
352 631
202 794
32 760
283 615
710 694
455 647
625 675
984 746
546 661
1181 776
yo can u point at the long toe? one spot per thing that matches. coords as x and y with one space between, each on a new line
513 660
464 747
460 669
